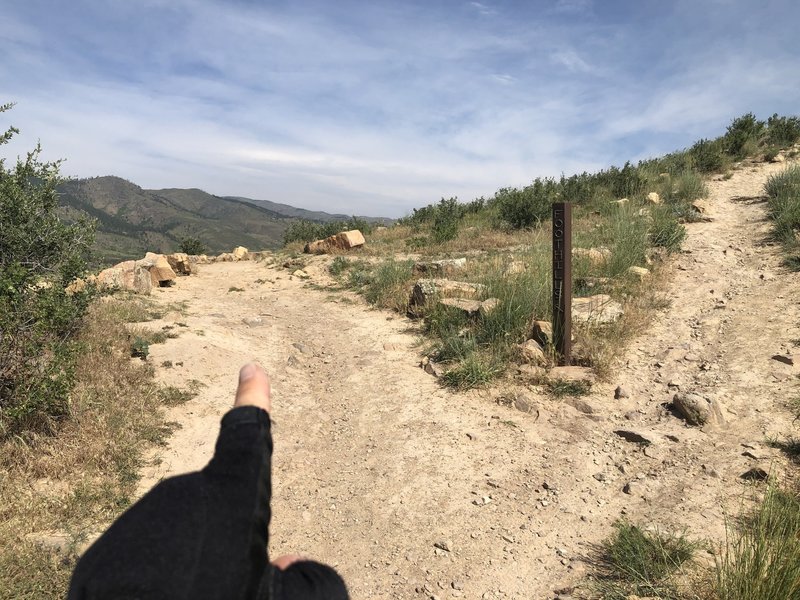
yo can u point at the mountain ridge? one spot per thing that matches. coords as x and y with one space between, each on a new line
132 220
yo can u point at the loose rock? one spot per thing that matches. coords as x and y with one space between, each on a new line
598 310
696 409
621 392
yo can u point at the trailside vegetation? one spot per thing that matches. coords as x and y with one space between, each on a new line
39 256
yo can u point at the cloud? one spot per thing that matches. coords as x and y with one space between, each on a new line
378 108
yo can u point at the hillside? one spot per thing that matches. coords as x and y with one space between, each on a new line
393 466
132 220
301 213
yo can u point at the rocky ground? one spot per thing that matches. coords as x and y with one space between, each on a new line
413 491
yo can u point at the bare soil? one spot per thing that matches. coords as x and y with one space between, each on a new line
375 462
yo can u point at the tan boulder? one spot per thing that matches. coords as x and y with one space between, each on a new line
239 253
440 267
346 240
128 275
224 257
532 353
161 274
596 256
180 263
542 333
639 272
318 247
469 307
425 290
200 259
653 198
349 239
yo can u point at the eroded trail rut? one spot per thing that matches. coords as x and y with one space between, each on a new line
374 462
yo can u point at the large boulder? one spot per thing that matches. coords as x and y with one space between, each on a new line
181 263
161 274
240 253
425 290
697 410
128 275
346 240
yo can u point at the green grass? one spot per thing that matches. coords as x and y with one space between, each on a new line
637 562
761 559
783 196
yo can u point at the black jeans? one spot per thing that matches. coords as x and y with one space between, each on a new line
204 535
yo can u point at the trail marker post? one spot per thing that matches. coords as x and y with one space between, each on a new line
562 281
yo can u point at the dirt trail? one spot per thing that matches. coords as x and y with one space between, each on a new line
374 462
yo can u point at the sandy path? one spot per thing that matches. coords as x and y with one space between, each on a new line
374 462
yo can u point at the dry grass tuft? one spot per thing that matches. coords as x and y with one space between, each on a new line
56 492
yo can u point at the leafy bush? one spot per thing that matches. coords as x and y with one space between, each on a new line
445 221
192 245
39 256
529 206
783 196
707 156
742 135
783 131
665 230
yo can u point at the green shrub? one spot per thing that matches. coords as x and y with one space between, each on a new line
192 245
339 265
445 221
783 131
707 156
665 230
742 136
529 206
783 207
39 256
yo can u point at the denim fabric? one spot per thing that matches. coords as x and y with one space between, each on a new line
204 535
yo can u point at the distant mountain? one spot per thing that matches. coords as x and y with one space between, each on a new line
302 213
132 220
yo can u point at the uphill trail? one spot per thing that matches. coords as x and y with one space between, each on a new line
375 463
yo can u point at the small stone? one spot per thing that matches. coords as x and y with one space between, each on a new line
457 585
599 477
621 392
786 359
300 273
755 474
446 545
432 368
639 272
637 437
581 406
653 198
525 404
253 321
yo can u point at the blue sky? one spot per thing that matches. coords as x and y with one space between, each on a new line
378 107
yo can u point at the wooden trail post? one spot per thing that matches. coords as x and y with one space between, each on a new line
562 281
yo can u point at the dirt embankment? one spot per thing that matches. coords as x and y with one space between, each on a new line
375 463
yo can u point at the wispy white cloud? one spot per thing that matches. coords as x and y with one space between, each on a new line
378 108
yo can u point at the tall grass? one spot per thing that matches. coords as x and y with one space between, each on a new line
783 194
761 559
634 562
86 474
